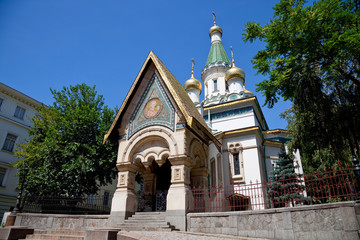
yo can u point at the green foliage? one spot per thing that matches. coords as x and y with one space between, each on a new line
312 58
284 186
65 154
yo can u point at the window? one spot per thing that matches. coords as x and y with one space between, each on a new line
91 199
9 142
236 164
1 102
219 168
106 198
19 112
2 176
213 173
215 85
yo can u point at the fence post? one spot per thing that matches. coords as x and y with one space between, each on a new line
357 173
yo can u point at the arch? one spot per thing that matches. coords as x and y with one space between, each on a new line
198 154
152 141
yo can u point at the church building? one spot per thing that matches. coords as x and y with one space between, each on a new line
172 141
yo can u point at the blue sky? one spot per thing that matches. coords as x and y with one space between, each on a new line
54 43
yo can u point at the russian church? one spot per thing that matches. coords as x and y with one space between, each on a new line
173 141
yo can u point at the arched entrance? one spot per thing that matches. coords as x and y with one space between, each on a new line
162 160
151 188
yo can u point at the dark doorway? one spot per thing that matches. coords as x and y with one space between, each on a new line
163 182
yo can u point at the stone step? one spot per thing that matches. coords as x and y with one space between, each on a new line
139 228
60 232
134 221
150 213
54 236
121 225
146 219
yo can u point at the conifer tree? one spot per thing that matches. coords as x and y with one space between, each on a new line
284 185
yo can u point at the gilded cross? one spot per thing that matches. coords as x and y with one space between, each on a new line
192 67
232 54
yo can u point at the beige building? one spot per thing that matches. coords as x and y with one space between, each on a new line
16 112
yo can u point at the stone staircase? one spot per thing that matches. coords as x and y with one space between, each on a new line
63 235
146 221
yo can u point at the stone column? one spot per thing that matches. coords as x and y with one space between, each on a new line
124 202
199 178
149 179
177 198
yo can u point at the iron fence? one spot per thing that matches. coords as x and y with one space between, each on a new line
337 184
91 204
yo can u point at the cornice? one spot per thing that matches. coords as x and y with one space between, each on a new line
19 96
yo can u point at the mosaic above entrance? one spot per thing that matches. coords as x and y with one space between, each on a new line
154 108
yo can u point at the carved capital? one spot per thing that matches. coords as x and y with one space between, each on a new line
181 160
126 166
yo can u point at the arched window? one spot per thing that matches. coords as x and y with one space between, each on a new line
236 162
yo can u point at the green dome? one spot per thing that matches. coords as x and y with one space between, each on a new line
217 54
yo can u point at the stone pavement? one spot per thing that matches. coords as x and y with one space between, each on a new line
176 235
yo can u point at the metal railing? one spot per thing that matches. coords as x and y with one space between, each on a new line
91 204
337 184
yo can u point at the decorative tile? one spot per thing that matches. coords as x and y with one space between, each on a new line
154 108
230 113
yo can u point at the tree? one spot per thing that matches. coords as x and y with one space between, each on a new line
65 154
284 186
312 58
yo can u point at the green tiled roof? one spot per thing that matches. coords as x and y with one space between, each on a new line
217 54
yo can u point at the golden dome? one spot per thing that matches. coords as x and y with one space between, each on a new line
215 29
193 83
234 72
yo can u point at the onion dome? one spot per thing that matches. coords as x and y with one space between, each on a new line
193 83
215 29
234 72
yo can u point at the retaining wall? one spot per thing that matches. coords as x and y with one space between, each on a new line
61 222
327 221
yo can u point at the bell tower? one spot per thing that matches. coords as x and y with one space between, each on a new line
213 74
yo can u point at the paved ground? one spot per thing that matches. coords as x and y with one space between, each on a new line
152 235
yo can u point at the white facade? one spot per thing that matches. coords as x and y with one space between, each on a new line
249 149
16 112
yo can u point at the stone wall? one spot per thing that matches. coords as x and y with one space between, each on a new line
61 222
326 221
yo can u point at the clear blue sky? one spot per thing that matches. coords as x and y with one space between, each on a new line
54 43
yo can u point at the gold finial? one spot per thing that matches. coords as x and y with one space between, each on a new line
214 18
232 56
192 68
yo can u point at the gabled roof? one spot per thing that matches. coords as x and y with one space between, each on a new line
177 91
